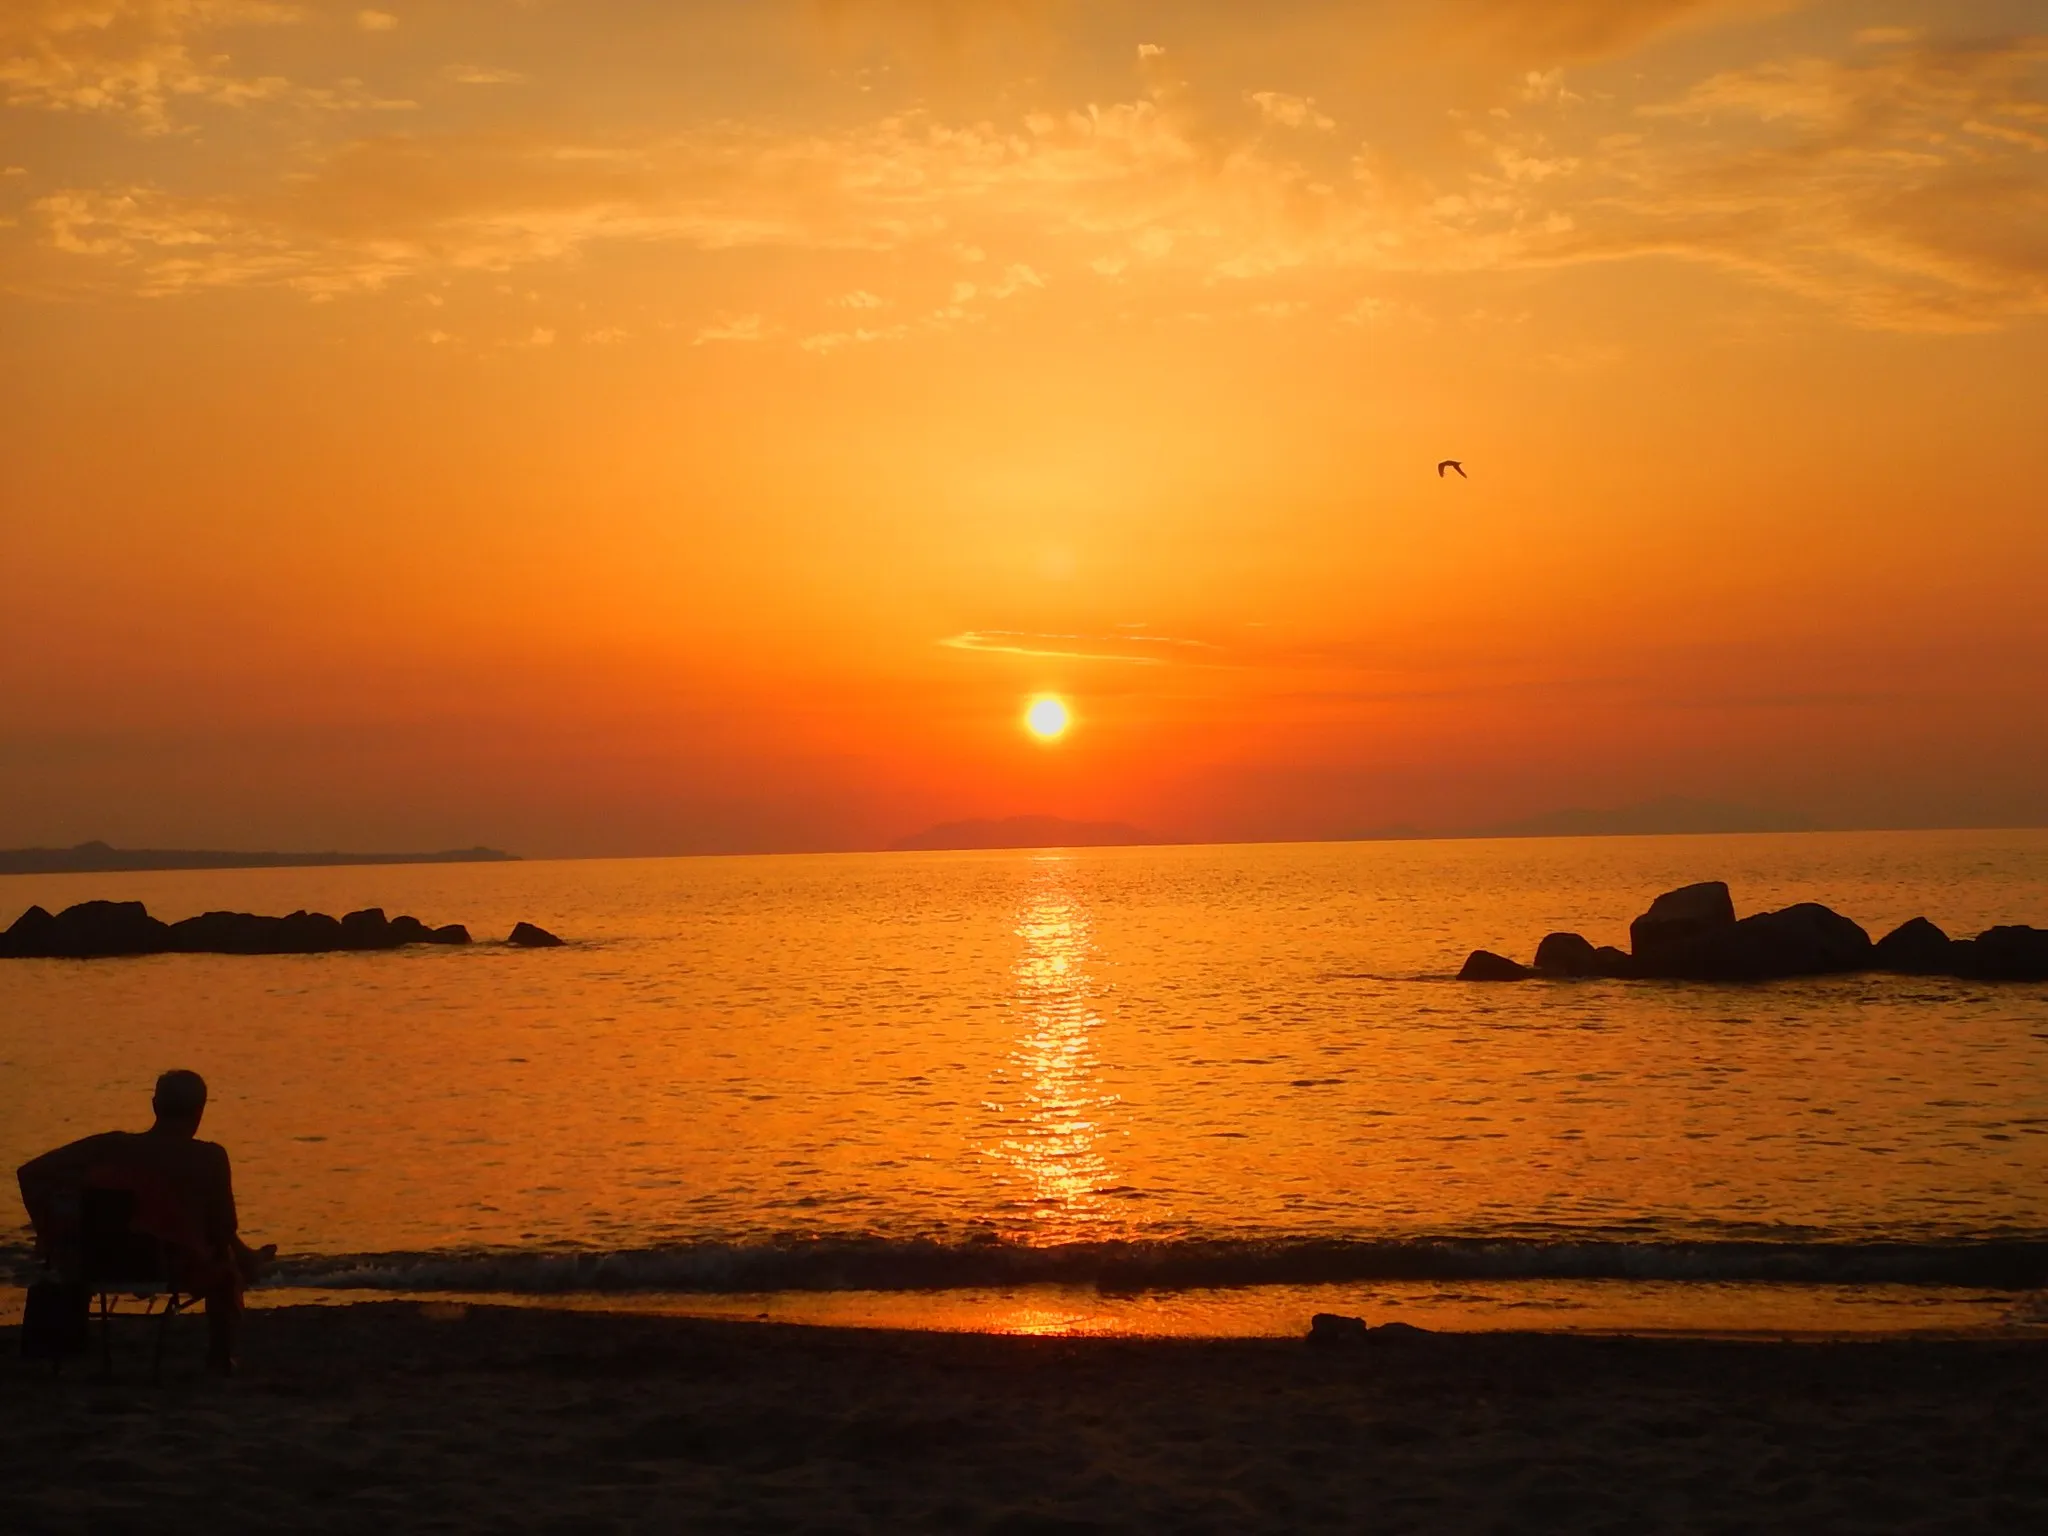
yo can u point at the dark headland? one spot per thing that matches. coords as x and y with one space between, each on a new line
1025 832
1673 815
96 858
1669 816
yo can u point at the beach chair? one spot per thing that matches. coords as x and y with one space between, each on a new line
117 1261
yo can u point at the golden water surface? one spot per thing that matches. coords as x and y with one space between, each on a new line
1034 1049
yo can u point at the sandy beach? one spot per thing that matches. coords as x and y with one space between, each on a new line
399 1416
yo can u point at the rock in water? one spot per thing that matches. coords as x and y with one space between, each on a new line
1615 964
1329 1330
2011 953
1566 954
1682 917
1807 939
1915 948
225 933
1485 965
101 928
528 936
1692 934
367 929
1804 940
31 933
90 930
308 933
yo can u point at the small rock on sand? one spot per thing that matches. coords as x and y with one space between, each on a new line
1332 1329
1387 1332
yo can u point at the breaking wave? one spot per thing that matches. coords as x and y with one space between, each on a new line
893 1265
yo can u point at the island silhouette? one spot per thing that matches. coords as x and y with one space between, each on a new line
1024 832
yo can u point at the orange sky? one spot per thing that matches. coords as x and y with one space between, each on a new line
634 427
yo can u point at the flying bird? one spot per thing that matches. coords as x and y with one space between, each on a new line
1451 464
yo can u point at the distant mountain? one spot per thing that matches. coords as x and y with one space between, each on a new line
1673 814
98 858
1024 832
1393 832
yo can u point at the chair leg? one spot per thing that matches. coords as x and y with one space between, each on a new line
163 1323
106 1337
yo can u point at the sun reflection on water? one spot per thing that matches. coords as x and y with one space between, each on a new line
1052 1112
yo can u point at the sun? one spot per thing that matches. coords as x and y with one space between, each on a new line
1047 718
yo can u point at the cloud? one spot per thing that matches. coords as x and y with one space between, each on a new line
1560 29
1016 278
382 207
1902 185
860 336
1908 189
184 244
481 74
731 328
1555 29
168 245
1131 650
134 59
1547 85
1290 111
125 56
376 21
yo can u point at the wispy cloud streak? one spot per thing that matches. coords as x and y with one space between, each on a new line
1122 650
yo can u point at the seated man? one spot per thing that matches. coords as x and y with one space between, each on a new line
183 1197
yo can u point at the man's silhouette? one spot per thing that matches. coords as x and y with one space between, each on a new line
184 1197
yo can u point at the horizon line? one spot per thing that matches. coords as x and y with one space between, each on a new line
331 859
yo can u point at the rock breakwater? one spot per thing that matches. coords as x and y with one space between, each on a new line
100 929
1693 934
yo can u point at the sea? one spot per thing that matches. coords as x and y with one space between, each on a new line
1180 1090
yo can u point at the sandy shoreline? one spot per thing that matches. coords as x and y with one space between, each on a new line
404 1417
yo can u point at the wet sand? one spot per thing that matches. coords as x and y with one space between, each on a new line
397 1417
